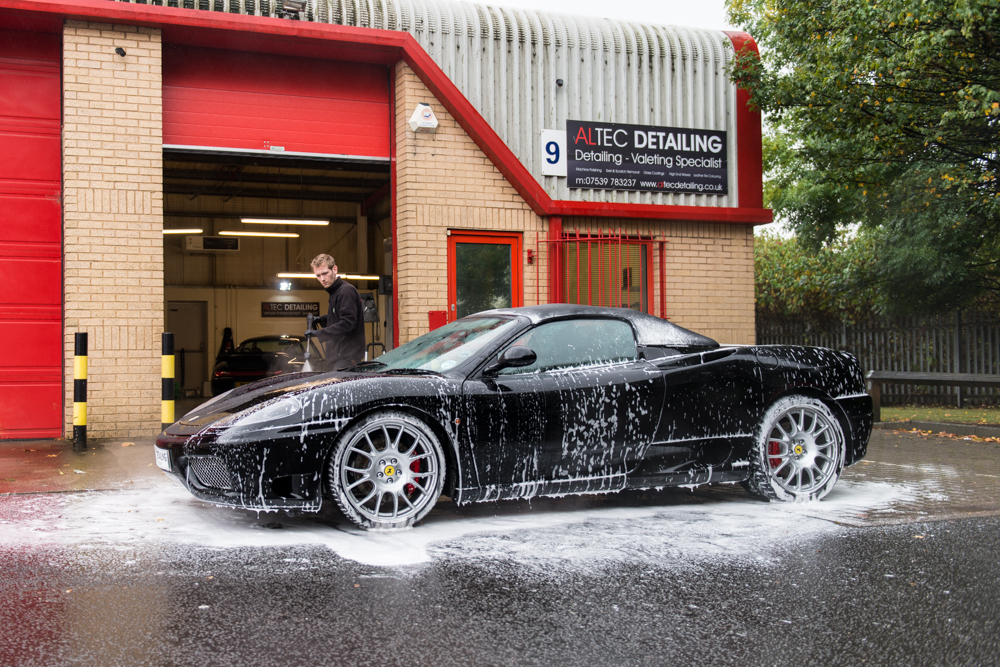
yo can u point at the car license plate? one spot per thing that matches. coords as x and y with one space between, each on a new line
163 458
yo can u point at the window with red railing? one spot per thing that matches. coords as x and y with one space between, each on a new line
606 272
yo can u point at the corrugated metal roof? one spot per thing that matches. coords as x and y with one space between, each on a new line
506 62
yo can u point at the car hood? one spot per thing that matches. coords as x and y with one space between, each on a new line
247 397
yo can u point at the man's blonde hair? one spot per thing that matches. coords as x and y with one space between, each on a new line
323 260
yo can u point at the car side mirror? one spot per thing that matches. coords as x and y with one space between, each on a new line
515 356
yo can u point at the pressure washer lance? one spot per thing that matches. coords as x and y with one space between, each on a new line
310 318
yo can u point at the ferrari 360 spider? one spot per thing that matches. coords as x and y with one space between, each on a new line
521 402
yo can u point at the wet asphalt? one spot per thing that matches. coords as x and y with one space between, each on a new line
916 586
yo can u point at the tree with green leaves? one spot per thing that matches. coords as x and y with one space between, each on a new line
885 113
815 287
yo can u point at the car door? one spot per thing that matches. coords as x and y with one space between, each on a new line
601 403
711 403
503 422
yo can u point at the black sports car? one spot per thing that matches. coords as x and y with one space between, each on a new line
520 402
261 357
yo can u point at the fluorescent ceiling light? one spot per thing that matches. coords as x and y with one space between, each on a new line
182 231
277 221
347 276
284 235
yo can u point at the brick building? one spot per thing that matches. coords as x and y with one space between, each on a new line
122 123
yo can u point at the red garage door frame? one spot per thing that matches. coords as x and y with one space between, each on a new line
31 356
242 102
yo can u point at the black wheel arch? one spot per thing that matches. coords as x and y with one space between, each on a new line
447 443
829 402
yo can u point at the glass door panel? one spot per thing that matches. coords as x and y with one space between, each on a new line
482 277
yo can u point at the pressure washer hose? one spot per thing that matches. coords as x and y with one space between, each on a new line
310 318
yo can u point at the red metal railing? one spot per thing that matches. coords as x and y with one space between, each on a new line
600 268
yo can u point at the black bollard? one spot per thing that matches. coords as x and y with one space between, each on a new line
167 390
80 392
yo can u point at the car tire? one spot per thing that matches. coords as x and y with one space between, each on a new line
386 472
799 450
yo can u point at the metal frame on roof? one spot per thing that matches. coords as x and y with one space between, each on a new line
507 61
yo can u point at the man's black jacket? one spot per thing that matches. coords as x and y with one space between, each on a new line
343 332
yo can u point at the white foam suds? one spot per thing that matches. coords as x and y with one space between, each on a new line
550 536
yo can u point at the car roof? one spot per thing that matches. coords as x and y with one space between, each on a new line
650 330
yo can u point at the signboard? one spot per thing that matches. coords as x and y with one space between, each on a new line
288 309
614 156
553 153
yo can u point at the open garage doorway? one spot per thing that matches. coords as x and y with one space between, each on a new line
215 255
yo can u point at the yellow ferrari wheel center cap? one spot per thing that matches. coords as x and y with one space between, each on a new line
799 449
389 471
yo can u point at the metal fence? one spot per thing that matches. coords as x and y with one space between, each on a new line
965 341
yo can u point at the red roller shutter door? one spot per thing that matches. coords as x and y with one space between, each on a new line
30 236
262 102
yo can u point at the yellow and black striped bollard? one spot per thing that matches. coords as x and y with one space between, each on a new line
167 395
80 392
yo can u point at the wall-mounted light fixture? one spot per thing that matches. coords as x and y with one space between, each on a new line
345 276
283 235
282 221
183 231
120 51
285 286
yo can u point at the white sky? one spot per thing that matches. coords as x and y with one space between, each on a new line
696 13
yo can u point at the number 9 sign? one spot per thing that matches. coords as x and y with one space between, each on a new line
553 152
552 148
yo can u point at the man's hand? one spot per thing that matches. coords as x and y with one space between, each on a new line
311 323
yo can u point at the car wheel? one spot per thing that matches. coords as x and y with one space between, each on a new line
798 451
386 471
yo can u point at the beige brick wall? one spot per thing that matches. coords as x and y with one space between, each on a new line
444 181
113 218
710 280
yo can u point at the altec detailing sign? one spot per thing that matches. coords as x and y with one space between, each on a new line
288 308
614 156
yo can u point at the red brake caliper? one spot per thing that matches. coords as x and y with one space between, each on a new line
774 449
415 467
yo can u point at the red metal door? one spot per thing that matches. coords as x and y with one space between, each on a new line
484 272
266 102
30 236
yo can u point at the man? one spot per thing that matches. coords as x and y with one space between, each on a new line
343 327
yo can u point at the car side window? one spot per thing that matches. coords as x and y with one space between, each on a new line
576 343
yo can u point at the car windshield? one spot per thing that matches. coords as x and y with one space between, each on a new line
445 347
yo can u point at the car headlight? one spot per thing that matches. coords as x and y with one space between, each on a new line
270 412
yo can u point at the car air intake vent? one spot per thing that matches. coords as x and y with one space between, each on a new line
212 472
